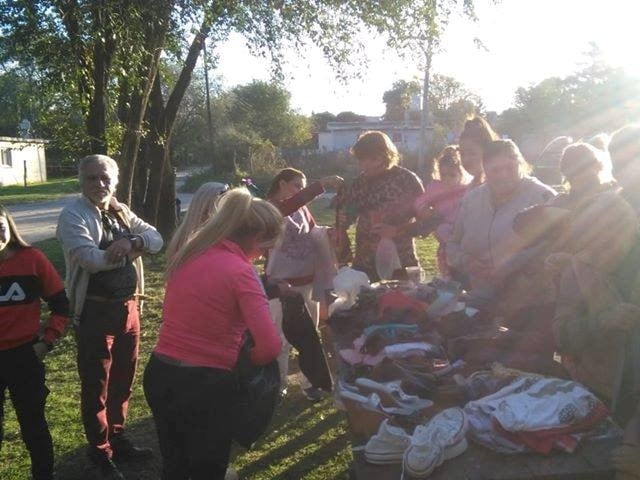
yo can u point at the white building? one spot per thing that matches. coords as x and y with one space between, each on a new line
341 136
18 155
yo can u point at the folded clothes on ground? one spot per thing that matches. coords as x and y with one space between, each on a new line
535 414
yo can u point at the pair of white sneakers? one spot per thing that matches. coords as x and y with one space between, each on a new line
443 438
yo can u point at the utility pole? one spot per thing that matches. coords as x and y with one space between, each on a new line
424 113
206 83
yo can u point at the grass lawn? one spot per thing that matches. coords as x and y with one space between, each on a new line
305 441
38 192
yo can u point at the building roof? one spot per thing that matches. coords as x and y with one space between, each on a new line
39 141
374 125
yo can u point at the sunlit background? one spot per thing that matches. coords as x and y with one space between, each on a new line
526 41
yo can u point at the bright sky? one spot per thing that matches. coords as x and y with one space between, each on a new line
528 40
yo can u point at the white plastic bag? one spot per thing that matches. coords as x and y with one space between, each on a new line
387 259
346 285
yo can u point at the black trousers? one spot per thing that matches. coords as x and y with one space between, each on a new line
193 412
23 375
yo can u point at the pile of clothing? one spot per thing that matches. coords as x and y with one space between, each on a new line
537 414
390 335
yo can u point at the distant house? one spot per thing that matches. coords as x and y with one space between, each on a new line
340 136
18 154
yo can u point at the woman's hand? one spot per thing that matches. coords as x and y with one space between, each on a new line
332 181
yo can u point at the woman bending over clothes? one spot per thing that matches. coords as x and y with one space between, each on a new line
213 297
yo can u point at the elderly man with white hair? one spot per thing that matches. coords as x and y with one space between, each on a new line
102 242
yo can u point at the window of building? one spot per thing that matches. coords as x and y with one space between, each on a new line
5 157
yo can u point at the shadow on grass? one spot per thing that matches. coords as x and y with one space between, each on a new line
76 465
316 446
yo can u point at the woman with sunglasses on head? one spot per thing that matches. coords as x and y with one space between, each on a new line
213 297
26 276
202 208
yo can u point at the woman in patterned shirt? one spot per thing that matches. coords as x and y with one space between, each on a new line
382 195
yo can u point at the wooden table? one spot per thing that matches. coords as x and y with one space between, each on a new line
591 461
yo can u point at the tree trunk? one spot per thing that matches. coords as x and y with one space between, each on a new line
160 199
103 51
166 216
131 142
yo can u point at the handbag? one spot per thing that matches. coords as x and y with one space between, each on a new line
258 388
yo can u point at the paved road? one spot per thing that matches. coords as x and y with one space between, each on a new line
37 221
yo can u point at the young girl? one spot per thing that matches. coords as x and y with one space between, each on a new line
213 296
441 199
475 137
26 276
298 258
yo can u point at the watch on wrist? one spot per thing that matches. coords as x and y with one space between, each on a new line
136 241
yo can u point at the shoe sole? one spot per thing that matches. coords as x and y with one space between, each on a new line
449 453
421 473
384 458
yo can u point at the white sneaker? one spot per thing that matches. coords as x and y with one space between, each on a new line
391 393
231 474
388 445
373 403
443 438
423 456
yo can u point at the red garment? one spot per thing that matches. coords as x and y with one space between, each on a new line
396 300
25 278
299 200
210 302
565 437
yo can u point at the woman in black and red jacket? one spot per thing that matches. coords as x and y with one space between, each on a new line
26 276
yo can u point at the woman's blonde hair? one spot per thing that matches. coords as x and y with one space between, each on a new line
202 207
376 145
239 215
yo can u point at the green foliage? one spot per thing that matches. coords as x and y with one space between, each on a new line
597 98
195 180
398 98
450 103
320 120
264 108
349 117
